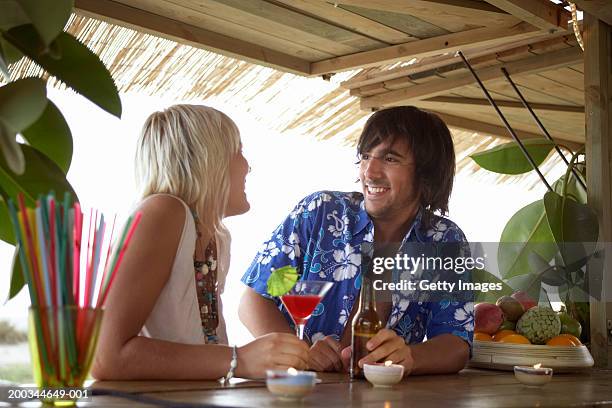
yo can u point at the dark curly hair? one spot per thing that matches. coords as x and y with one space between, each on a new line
431 145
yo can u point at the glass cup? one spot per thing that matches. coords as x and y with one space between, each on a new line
62 345
302 300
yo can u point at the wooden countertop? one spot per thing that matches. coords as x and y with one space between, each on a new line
469 388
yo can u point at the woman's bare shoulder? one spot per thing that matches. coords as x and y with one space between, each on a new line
163 211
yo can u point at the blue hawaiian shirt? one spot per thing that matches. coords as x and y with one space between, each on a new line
321 237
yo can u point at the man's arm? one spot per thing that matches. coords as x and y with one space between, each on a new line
443 354
260 315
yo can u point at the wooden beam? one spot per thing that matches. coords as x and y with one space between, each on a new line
536 45
477 37
489 129
598 105
154 24
543 14
349 20
600 8
440 86
451 15
454 100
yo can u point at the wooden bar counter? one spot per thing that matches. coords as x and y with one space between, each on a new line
469 388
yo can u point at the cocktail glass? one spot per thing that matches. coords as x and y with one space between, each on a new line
302 300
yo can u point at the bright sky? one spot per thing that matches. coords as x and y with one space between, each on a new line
285 169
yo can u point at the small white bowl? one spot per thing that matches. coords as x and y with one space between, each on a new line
290 386
533 377
381 375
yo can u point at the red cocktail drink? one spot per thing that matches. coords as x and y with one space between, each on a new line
300 307
302 300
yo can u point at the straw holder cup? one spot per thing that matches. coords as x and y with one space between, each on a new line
62 345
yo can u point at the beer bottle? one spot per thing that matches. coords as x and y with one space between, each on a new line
366 322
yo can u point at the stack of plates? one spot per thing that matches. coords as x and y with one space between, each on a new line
504 356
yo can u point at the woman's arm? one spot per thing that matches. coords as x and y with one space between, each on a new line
123 354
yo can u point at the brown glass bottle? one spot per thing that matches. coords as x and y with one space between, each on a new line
366 322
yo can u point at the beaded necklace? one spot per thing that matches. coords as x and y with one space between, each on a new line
206 284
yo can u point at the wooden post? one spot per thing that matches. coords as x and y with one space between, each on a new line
598 89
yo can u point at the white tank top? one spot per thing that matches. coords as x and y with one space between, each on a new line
175 316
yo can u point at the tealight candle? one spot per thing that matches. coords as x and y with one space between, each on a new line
535 376
291 384
383 374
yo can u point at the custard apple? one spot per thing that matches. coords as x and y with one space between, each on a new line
539 324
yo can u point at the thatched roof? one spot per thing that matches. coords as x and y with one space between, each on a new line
287 103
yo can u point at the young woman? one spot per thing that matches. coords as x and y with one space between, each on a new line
164 316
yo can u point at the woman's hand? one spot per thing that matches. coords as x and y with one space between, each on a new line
274 351
387 345
324 355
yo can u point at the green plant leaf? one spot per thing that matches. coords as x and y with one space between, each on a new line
17 281
41 176
77 67
51 135
10 54
49 17
530 283
483 276
22 102
554 275
526 231
4 68
574 189
12 15
570 221
575 228
509 159
11 150
281 280
6 226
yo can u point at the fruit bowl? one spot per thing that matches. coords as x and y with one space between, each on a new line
504 356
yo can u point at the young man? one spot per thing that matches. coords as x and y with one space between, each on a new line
407 165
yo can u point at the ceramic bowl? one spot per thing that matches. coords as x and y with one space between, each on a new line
381 375
534 377
290 386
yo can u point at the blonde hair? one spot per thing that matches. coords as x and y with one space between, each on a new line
185 151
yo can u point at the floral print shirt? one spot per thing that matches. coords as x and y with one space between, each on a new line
321 237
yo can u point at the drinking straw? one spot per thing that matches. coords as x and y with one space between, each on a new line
43 346
53 244
49 278
30 248
97 255
43 253
69 300
108 256
21 250
123 244
93 220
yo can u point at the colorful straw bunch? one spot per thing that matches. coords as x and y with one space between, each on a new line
69 268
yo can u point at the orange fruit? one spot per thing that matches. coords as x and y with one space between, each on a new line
502 333
482 336
575 339
514 338
566 340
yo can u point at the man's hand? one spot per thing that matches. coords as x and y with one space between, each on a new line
324 355
387 345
